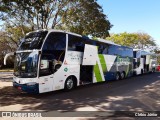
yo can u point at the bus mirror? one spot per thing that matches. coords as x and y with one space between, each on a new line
7 55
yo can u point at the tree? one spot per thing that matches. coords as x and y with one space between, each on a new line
157 51
5 47
135 40
127 39
145 41
21 16
87 19
9 39
80 16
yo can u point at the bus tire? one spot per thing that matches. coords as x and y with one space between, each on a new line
153 70
70 83
117 76
142 72
122 75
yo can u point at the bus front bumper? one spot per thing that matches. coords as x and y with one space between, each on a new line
27 88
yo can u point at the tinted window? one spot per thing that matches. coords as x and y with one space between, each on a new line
55 41
134 54
127 52
75 43
46 64
138 55
102 47
53 53
26 64
33 40
112 50
120 50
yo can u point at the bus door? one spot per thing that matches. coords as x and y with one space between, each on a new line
45 76
148 59
88 62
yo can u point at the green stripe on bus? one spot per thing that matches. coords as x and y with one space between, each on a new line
97 73
103 63
127 70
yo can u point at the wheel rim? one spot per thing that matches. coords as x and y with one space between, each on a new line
69 84
117 76
122 75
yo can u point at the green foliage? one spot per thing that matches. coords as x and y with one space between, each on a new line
158 60
16 33
157 51
86 18
9 40
135 40
80 16
21 16
127 39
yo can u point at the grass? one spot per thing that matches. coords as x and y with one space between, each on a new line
6 70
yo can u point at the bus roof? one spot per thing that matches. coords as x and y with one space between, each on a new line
63 31
107 41
53 30
137 50
145 52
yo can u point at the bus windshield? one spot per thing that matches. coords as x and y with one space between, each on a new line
26 64
33 40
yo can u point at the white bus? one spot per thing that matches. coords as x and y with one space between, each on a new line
144 62
49 60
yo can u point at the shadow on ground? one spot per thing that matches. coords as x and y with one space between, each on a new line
132 94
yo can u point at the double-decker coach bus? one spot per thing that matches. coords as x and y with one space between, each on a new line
144 62
49 60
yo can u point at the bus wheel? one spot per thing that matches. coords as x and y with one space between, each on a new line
122 75
141 72
153 70
117 76
69 84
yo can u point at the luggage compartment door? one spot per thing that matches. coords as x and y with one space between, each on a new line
90 55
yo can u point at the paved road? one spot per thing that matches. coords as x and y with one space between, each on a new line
1 73
135 93
6 76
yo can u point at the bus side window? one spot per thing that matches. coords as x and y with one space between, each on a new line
120 51
53 50
112 50
75 43
55 41
130 52
45 65
105 51
102 48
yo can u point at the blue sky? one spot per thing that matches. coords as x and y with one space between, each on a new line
133 16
